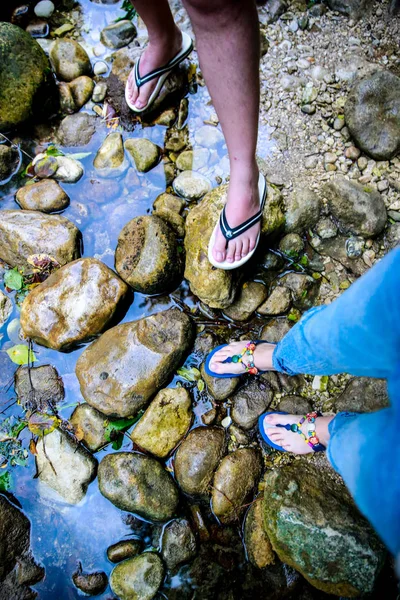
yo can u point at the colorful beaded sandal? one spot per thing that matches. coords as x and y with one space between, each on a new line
312 439
249 366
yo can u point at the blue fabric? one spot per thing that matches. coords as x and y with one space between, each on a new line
359 333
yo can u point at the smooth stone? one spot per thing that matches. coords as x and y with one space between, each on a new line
304 289
47 383
178 544
111 153
82 90
45 166
165 422
275 330
294 405
277 303
169 202
123 550
91 584
69 170
38 29
234 480
100 68
65 466
46 196
258 547
291 244
219 388
26 232
117 35
363 394
145 154
99 92
44 8
6 307
250 296
69 59
308 109
75 303
76 130
302 210
89 428
197 458
209 136
137 483
192 160
191 185
249 403
127 365
137 578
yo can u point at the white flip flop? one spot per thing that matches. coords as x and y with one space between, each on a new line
230 233
162 73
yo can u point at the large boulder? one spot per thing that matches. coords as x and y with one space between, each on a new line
27 232
315 527
119 372
147 256
24 76
69 59
72 305
138 578
372 114
139 484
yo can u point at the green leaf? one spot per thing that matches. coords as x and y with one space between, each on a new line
191 374
200 385
41 424
113 428
13 279
5 481
117 443
79 155
53 151
21 355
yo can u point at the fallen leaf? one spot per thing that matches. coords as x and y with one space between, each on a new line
21 355
41 424
32 447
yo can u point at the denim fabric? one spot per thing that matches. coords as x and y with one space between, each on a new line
359 333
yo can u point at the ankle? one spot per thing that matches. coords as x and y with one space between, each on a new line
165 40
322 429
244 172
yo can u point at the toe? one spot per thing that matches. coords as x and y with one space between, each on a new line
238 250
219 250
230 255
245 247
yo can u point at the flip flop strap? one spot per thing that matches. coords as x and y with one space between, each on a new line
312 440
248 350
157 72
230 233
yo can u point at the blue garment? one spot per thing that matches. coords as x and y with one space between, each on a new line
359 333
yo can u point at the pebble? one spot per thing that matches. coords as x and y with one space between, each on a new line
308 109
330 158
362 163
44 9
303 63
382 185
99 92
100 68
311 162
338 123
352 152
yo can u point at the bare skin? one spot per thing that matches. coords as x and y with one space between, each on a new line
262 358
291 441
227 39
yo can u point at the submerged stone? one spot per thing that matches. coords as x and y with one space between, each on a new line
76 130
110 155
144 153
38 387
6 307
123 550
138 578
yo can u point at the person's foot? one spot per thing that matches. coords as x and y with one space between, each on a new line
156 54
291 440
243 202
262 358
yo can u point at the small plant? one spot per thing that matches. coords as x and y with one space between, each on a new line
130 12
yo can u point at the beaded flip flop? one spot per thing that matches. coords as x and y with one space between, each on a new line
312 439
249 367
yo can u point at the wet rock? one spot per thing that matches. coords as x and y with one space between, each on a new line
6 307
14 535
209 136
302 210
294 405
276 8
176 139
275 330
145 154
165 422
197 458
147 256
91 584
350 8
89 428
38 29
45 166
234 480
304 289
169 202
6 161
359 209
249 403
220 389
138 577
336 249
81 89
117 35
69 170
192 160
123 550
191 185
28 571
119 372
110 155
44 8
69 59
291 245
250 296
72 305
24 77
326 229
76 130
277 303
258 546
178 543
38 387
26 232
329 530
139 484
99 92
168 208
65 466
46 196
363 394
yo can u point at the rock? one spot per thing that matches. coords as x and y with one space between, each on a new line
89 428
65 466
191 185
258 546
38 29
99 92
302 210
14 536
178 544
69 170
91 584
197 458
76 130
6 162
304 289
147 256
111 153
363 394
100 68
127 365
326 229
6 307
123 550
250 296
26 232
308 109
275 330
294 405
165 422
291 245
81 89
144 153
372 114
72 305
44 8
117 35
336 248
234 480
219 388
28 572
249 403
46 196
350 8
359 209
45 166
173 219
137 483
209 136
69 59
138 578
176 139
277 303
38 388
192 160
276 8
169 202
329 530
24 74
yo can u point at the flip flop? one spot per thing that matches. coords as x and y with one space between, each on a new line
162 73
311 440
251 369
232 233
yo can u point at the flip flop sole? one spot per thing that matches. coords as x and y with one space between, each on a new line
262 428
219 375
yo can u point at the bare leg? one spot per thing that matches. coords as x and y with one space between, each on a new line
165 41
227 40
